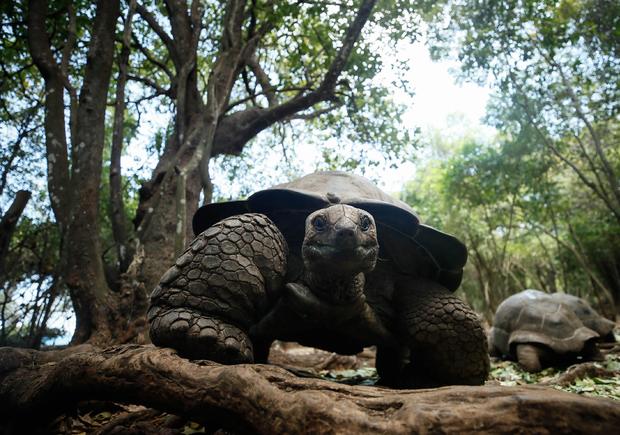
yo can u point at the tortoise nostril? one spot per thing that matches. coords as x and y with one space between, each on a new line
345 233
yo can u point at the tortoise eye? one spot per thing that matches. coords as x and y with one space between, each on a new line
365 223
319 223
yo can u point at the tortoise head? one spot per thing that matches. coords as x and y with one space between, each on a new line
340 241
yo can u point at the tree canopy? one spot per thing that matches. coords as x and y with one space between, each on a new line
538 207
239 81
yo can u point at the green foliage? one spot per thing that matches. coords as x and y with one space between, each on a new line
361 376
30 300
539 207
524 225
21 159
361 116
509 373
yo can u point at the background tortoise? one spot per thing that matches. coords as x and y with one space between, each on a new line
540 329
588 315
329 261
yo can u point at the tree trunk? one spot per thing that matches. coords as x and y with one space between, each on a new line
124 251
74 189
157 231
268 399
58 176
202 131
8 222
82 254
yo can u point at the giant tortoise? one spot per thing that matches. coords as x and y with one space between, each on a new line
540 329
588 315
329 261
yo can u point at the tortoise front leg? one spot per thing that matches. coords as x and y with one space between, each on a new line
223 284
529 357
446 341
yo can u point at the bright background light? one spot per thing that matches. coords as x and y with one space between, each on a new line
440 105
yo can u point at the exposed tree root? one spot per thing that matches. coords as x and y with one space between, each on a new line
580 371
268 399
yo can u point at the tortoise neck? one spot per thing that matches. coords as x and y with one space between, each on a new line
335 289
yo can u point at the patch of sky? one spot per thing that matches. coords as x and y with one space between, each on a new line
439 105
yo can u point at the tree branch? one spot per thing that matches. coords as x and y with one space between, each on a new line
263 119
124 251
58 175
581 259
316 113
548 143
151 83
263 80
608 170
24 130
298 90
64 68
591 164
151 57
248 89
153 24
8 224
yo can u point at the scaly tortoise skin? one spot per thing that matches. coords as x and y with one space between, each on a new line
540 329
330 261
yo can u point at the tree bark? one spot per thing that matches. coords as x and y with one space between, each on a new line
124 251
269 399
58 175
84 273
8 222
202 130
74 189
156 218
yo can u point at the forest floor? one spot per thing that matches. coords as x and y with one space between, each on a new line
589 378
594 379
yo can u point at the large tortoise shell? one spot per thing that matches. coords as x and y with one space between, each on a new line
532 316
416 249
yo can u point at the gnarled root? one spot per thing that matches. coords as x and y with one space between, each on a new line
266 399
